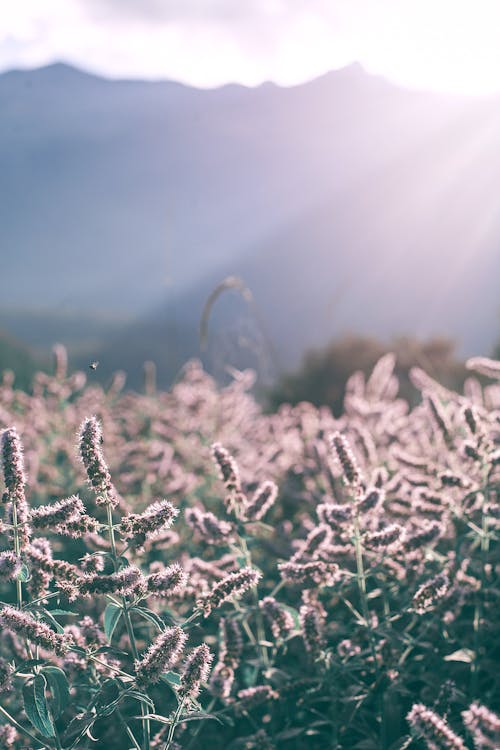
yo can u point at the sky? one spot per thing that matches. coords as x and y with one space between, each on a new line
441 45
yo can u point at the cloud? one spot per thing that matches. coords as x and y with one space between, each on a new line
201 42
449 45
236 12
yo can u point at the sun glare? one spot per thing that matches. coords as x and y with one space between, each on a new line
451 46
445 45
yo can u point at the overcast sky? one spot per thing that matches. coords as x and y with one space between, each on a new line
446 45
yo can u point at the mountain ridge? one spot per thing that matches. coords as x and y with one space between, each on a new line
116 198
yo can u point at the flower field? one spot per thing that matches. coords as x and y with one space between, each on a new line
180 568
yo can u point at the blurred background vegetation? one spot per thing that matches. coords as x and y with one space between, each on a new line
320 378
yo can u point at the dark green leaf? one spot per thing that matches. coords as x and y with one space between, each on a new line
289 734
77 726
59 687
79 650
155 717
48 616
24 574
171 678
195 716
293 612
111 650
28 664
199 716
142 697
35 706
109 692
150 616
112 614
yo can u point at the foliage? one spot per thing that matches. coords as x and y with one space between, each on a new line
19 359
195 571
323 374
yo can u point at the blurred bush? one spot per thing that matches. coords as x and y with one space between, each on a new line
18 358
322 376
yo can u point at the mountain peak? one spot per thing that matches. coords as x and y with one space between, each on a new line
56 72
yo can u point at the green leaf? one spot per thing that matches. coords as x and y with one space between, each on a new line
171 678
109 692
26 665
141 697
155 717
289 734
109 696
110 650
59 687
112 614
36 708
77 726
199 716
152 617
46 615
195 716
24 574
293 612
464 654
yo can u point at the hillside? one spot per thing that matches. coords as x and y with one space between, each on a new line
334 200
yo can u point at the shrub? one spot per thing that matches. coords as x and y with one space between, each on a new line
196 571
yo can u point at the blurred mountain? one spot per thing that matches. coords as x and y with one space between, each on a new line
345 204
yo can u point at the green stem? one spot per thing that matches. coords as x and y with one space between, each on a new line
21 729
361 579
192 617
128 624
111 533
42 599
258 614
19 585
128 730
200 724
174 724
478 608
17 550
109 666
57 741
277 588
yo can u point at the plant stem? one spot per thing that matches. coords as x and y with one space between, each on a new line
258 614
361 579
361 576
200 724
127 729
478 608
17 550
21 729
197 612
128 624
173 725
19 585
42 598
109 666
57 741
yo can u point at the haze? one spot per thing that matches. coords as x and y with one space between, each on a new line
439 45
